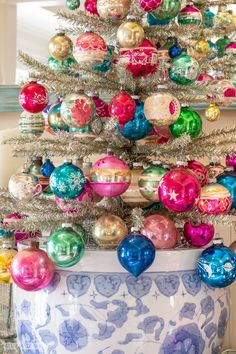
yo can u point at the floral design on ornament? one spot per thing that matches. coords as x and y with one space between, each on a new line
81 112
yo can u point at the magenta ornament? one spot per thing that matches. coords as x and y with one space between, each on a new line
179 190
102 110
198 235
200 171
215 199
160 230
230 160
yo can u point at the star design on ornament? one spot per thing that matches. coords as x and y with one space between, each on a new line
173 195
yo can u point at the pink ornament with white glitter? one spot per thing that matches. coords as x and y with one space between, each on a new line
149 5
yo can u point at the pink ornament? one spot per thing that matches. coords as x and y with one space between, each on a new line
198 235
32 269
140 61
231 49
161 231
91 7
110 176
33 97
200 171
215 199
230 160
149 5
162 133
123 107
102 110
179 190
204 77
223 92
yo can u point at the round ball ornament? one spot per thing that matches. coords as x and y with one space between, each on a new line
153 21
198 235
223 92
167 10
114 10
202 46
60 65
230 161
47 168
91 7
32 269
189 122
215 168
184 70
221 45
108 231
110 176
228 180
77 110
65 247
33 97
24 186
6 258
217 265
55 122
60 46
160 230
162 108
31 123
72 4
175 50
179 190
130 34
199 170
212 113
89 49
102 108
107 62
67 181
149 5
123 107
189 15
231 49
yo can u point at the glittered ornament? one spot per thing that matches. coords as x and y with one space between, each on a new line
114 10
189 122
198 235
149 181
110 176
24 186
212 113
130 34
89 49
215 199
141 60
77 110
136 253
231 49
221 45
153 21
138 127
65 246
67 181
223 92
230 161
107 62
47 168
202 46
179 190
91 7
60 46
160 230
32 269
108 231
162 108
31 123
184 70
228 180
167 10
199 170
6 257
215 168
123 107
55 121
217 265
33 97
102 110
175 50
72 4
60 65
189 15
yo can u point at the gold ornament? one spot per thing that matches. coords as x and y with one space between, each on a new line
6 257
113 9
202 46
108 231
60 46
130 34
212 113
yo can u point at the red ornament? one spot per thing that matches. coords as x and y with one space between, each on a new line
102 110
140 61
91 7
200 171
204 77
33 98
149 5
123 107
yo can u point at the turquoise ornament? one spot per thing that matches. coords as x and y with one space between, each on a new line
106 64
153 21
189 122
67 181
167 10
228 180
55 121
208 18
47 168
60 65
184 70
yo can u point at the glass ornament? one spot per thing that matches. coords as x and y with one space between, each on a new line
230 160
107 62
55 121
160 230
215 168
153 21
77 110
136 253
204 77
208 18
212 113
47 168
223 18
189 122
138 127
221 45
141 60
149 181
149 5
123 107
202 46
162 108
60 46
67 181
217 265
102 108
72 4
167 10
89 131
110 176
231 49
65 246
31 123
130 34
179 190
32 269
223 92
33 97
108 231
6 257
198 235
161 134
184 70
175 50
189 15
91 7
214 199
60 65
114 10
213 50
199 170
228 180
34 168
89 49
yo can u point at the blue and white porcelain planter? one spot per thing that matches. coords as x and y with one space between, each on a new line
98 308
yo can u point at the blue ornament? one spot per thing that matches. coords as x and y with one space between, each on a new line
208 18
47 168
106 64
153 21
136 253
228 180
67 181
138 127
217 265
175 50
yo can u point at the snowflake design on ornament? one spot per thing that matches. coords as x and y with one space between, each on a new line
76 181
61 187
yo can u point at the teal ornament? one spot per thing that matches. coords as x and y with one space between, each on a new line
228 180
189 122
60 65
72 4
55 121
138 127
136 253
65 246
67 181
47 168
106 64
208 18
175 50
184 70
217 265
153 21
167 10
221 45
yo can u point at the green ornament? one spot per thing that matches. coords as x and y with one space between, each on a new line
149 181
55 121
189 122
184 70
72 4
221 45
167 10
65 246
60 65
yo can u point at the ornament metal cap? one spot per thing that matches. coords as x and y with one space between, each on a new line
156 162
218 241
34 244
212 180
67 224
110 152
229 169
134 229
137 164
181 163
68 160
